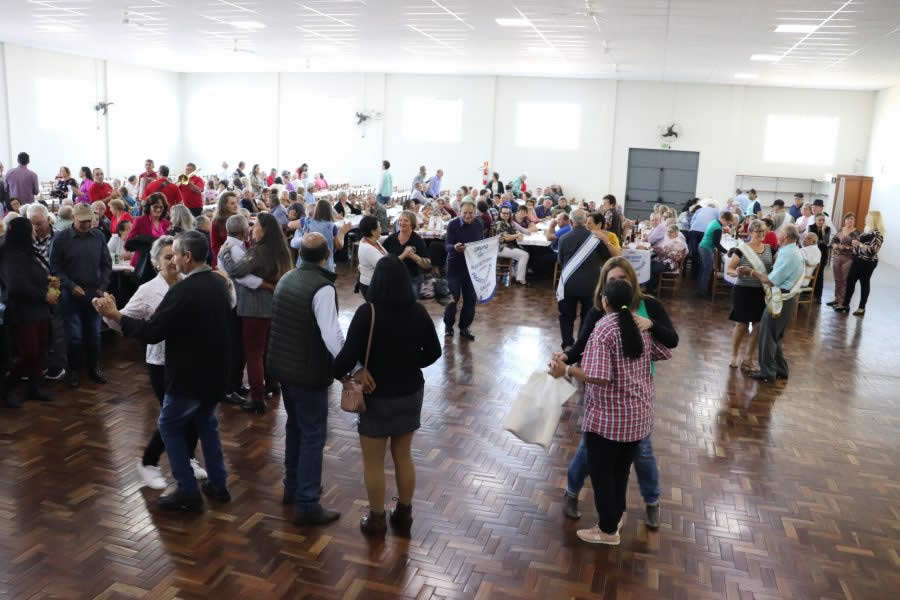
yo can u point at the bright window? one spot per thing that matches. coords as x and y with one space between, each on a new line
548 125
432 119
800 139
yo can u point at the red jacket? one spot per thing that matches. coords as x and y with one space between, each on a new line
217 237
169 190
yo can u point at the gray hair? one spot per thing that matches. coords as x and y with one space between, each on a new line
36 209
790 231
342 196
180 216
578 216
236 224
811 238
202 220
157 248
66 212
195 243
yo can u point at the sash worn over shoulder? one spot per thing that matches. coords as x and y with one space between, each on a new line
581 255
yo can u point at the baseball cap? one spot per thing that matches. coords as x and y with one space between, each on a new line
83 212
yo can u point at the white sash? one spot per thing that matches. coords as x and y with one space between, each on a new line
581 255
752 257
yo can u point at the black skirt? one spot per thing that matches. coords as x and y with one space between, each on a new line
387 416
747 304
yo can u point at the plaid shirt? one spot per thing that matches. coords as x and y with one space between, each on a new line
43 248
622 408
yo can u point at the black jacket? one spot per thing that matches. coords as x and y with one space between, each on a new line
662 329
583 281
25 283
191 319
81 260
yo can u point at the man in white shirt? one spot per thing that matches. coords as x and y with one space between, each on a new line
225 174
811 256
417 194
818 208
742 200
304 339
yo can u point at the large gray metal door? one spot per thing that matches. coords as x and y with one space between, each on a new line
659 177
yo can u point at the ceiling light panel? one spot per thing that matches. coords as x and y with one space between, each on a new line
440 24
60 16
329 23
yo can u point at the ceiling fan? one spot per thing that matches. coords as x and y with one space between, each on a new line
238 50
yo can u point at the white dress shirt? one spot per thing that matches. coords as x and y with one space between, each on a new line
238 250
141 306
369 255
325 311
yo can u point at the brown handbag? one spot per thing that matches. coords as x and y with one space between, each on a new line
352 398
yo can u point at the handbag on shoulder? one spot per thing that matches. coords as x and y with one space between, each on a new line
352 397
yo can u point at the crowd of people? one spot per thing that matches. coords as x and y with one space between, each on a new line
236 274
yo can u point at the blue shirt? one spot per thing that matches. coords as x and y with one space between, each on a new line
743 200
788 268
703 217
795 211
559 233
434 187
459 231
280 215
309 197
542 213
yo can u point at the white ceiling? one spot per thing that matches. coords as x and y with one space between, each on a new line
856 44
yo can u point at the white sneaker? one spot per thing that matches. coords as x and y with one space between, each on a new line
151 476
199 472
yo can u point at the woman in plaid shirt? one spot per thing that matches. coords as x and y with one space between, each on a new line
618 400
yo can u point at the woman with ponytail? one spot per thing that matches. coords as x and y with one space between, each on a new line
618 402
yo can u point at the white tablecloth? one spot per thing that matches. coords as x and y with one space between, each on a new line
640 260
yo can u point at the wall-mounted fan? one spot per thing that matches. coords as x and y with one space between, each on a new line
668 134
104 106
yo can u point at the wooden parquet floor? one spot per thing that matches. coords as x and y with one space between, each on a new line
786 492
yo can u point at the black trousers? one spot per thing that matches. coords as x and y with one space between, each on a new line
693 241
568 309
860 271
156 447
610 464
196 211
820 279
236 357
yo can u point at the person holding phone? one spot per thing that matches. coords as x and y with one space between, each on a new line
460 231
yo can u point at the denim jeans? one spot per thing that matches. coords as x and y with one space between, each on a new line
177 412
460 285
82 320
644 467
706 269
305 433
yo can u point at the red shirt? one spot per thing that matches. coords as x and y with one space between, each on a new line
191 198
152 176
100 191
114 221
270 180
622 408
771 240
169 190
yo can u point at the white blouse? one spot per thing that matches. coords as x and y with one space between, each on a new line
369 255
142 306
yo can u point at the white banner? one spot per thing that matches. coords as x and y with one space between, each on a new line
640 260
481 260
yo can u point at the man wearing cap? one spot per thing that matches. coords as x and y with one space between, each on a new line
797 209
779 215
818 208
80 258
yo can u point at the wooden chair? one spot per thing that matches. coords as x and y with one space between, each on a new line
806 293
671 280
719 285
556 273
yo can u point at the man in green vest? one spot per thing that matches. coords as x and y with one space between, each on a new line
303 341
711 241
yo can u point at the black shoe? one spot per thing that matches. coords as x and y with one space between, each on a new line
757 375
401 518
570 509
315 517
832 303
73 379
35 393
181 501
273 389
8 398
243 392
465 333
96 375
448 332
254 407
215 492
55 374
373 525
840 309
233 398
652 518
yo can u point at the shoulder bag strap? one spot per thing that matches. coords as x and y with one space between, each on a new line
371 331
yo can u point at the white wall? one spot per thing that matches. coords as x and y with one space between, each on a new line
5 152
727 125
884 166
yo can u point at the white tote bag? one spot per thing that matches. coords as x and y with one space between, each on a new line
535 413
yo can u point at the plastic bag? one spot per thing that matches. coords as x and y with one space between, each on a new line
535 413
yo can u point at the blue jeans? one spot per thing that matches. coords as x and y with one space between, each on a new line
460 285
417 285
644 467
383 199
706 269
305 433
82 320
177 412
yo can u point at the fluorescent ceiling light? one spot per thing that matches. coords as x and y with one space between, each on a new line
796 28
745 75
249 25
512 22
56 28
765 57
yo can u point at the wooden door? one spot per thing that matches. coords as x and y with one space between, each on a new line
851 194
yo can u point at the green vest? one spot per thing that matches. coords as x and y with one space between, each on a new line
642 312
707 241
297 355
